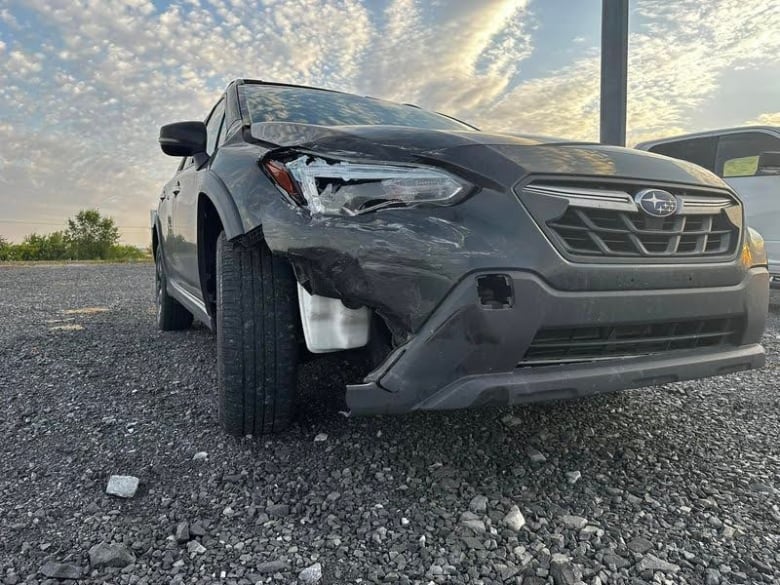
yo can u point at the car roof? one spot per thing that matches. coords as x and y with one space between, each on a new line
244 81
708 133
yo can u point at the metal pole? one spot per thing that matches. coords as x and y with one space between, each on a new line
614 71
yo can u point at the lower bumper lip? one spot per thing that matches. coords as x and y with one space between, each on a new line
565 382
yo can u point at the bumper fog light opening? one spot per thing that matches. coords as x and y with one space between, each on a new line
495 291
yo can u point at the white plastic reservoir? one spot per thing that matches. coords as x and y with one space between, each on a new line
330 326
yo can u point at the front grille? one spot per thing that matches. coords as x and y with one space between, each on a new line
590 220
576 344
603 232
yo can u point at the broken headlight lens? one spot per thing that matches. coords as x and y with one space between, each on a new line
346 188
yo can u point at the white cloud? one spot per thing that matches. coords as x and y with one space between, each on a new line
768 119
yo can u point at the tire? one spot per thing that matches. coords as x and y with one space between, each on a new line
171 315
257 339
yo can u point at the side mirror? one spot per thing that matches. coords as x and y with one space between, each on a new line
768 163
183 138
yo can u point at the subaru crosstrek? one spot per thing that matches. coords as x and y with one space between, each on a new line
471 268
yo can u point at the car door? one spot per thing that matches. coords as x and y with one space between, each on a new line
165 218
737 163
185 206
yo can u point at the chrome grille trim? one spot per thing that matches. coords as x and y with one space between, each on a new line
623 201
593 198
698 205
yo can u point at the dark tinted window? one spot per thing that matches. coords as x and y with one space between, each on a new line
213 126
700 151
738 153
269 103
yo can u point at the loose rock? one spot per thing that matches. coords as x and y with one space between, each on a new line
278 510
123 486
612 559
639 545
478 504
277 566
562 572
182 533
311 574
474 524
514 519
574 522
55 570
653 563
197 529
106 554
506 571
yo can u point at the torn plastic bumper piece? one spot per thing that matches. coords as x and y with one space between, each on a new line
471 353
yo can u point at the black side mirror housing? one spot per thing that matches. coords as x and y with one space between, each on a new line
183 138
768 163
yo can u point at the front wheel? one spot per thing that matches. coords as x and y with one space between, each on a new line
257 339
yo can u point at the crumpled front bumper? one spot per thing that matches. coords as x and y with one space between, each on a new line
469 355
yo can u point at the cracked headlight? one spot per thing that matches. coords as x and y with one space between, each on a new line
347 188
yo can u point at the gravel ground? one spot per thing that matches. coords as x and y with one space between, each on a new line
676 484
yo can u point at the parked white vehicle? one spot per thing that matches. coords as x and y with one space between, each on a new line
748 159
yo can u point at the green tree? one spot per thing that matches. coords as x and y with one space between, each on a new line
56 247
5 249
40 247
91 236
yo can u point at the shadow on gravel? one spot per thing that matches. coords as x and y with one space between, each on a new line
321 405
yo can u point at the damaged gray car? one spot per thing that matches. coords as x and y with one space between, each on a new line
467 268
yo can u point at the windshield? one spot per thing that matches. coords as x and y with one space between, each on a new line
273 103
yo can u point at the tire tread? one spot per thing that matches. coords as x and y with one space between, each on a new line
257 339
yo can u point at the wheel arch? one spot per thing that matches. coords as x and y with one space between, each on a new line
216 213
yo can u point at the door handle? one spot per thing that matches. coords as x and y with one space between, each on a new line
177 188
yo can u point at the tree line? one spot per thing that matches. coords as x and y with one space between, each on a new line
89 236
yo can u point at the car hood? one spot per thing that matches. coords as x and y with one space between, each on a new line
483 157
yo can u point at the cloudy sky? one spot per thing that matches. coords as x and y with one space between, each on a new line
85 84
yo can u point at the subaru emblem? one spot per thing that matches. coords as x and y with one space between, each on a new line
657 202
